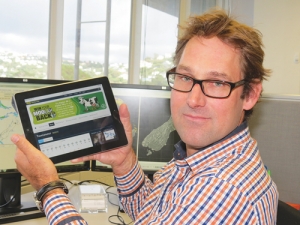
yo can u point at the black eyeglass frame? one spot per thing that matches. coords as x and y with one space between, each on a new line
195 81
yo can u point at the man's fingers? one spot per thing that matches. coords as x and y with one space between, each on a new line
22 144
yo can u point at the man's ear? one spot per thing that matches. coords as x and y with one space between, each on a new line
252 98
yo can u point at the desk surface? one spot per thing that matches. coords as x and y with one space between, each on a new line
97 218
92 218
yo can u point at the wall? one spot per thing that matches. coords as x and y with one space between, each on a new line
275 126
279 22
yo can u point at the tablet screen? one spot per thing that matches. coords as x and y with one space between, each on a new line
68 122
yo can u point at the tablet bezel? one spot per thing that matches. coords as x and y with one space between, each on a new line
20 103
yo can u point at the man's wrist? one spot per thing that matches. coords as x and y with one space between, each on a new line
56 191
54 187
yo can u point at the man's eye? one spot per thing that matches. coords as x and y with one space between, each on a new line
218 83
184 78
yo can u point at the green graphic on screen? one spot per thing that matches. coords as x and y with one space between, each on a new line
66 108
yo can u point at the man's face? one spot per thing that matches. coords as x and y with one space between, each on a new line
201 120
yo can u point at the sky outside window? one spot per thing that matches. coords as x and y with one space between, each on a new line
24 38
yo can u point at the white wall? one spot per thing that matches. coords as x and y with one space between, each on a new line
279 22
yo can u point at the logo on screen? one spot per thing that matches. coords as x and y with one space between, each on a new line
43 112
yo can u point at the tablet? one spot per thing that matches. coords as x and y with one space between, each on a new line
71 120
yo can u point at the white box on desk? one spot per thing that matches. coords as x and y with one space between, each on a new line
93 199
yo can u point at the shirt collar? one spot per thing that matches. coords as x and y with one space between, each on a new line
215 150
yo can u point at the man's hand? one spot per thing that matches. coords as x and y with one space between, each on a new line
122 159
34 165
38 169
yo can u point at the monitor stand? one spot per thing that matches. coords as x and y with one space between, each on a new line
12 207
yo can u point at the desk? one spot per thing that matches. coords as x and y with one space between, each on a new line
91 218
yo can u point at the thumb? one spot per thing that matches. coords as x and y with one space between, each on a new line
125 117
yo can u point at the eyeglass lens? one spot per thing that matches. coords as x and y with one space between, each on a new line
211 88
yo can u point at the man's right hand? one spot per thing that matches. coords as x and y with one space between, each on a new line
121 159
34 165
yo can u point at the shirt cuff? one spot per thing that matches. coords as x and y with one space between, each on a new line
131 182
59 210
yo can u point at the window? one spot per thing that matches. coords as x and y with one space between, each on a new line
24 38
158 39
130 41
101 37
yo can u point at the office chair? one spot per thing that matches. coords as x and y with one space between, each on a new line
287 215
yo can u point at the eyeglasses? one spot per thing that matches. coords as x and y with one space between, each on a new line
210 88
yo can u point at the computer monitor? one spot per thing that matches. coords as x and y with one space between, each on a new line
10 178
154 135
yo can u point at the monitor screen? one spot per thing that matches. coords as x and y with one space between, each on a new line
10 122
154 135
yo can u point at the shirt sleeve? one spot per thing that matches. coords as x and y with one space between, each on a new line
59 210
133 189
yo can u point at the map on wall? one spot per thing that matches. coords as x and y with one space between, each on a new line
153 131
9 120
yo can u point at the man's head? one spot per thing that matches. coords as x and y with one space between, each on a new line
242 37
217 48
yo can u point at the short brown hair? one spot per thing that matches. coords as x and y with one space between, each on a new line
219 24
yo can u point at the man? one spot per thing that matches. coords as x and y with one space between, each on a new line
216 175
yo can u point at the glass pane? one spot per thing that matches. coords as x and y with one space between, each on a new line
69 34
24 38
92 49
119 41
93 10
92 39
159 38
